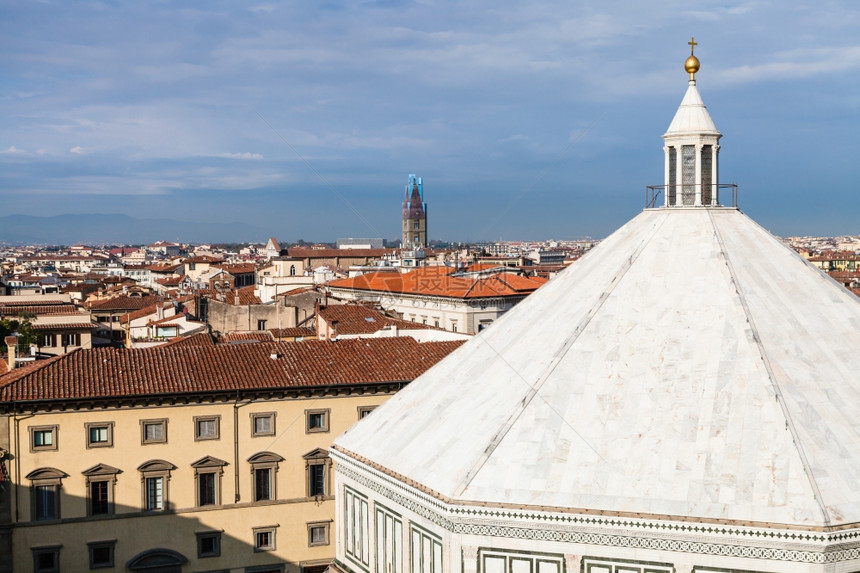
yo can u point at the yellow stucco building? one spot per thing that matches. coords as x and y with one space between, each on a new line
189 457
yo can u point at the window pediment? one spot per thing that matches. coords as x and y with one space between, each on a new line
265 458
317 454
156 466
209 462
101 470
46 473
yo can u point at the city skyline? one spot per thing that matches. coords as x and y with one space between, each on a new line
528 121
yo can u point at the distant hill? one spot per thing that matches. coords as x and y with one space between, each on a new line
119 229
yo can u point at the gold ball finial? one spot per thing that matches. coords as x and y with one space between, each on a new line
692 64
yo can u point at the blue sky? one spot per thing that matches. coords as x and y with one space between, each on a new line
527 120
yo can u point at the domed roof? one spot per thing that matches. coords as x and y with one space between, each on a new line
691 365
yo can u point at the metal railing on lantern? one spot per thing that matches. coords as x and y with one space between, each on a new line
690 195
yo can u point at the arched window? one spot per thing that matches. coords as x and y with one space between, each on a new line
160 560
292 270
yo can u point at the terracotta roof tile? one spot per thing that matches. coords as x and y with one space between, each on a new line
237 268
176 370
58 324
246 295
245 336
124 302
360 319
203 259
438 281
37 309
195 340
294 332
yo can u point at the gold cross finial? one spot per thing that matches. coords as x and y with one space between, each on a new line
692 63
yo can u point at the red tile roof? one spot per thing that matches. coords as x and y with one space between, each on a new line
359 319
42 301
37 309
294 332
258 336
164 268
170 281
153 308
246 295
237 268
437 281
58 324
196 340
181 370
203 259
124 302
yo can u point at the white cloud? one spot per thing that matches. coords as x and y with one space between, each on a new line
13 150
245 155
795 64
76 150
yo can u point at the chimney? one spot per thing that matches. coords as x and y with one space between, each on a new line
12 346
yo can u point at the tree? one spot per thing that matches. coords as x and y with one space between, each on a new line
20 328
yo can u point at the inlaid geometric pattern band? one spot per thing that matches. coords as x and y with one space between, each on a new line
830 555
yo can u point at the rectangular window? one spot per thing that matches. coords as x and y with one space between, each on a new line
48 340
207 428
598 565
71 339
262 484
389 541
707 187
318 534
363 411
263 424
317 420
101 554
99 498
688 174
43 438
153 431
45 502
673 176
206 493
261 325
512 560
99 434
46 559
316 479
264 539
356 528
154 493
426 550
209 544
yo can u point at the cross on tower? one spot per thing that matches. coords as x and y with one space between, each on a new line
692 43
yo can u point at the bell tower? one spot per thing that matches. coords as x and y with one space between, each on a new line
691 147
414 215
